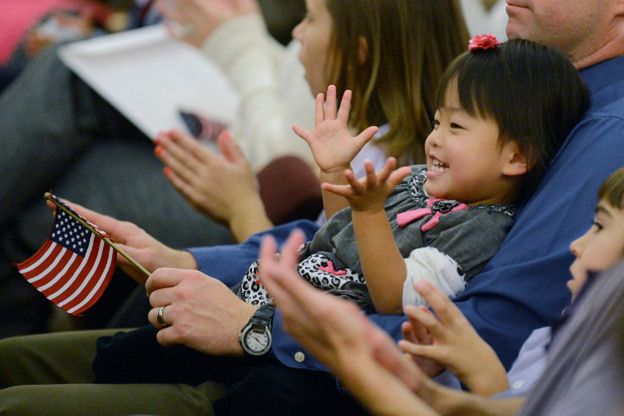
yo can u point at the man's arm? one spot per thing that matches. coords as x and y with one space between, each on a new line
229 263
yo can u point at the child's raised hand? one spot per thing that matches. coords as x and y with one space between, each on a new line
451 341
370 193
331 142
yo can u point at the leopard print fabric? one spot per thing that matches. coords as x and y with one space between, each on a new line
316 269
319 270
251 290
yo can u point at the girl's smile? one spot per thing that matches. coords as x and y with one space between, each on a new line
466 160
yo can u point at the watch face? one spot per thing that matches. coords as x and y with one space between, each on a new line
257 342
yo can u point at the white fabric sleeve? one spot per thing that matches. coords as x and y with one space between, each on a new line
431 264
273 91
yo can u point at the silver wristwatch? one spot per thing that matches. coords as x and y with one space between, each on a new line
255 337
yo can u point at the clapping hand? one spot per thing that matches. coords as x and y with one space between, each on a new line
212 183
331 142
447 338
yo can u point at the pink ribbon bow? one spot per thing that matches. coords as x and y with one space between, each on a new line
330 269
435 206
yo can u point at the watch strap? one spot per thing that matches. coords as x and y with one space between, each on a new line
265 314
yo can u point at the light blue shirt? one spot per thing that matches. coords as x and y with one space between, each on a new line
530 364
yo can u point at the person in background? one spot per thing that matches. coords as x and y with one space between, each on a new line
27 31
267 75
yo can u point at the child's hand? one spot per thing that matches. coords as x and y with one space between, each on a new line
370 193
414 334
451 341
331 142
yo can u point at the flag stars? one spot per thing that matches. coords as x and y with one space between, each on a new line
71 234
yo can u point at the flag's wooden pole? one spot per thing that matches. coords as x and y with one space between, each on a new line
49 197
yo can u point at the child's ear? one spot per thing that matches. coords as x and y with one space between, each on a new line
516 162
362 50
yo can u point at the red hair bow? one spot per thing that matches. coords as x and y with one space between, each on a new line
483 42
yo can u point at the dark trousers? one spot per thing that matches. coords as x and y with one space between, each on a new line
254 385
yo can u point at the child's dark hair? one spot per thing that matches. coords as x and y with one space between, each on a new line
612 189
532 92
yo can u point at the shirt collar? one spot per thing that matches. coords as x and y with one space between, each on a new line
601 78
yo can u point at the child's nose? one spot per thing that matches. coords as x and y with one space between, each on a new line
434 139
296 32
576 247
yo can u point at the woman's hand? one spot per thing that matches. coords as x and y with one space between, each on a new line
451 341
145 249
192 21
224 187
370 193
331 142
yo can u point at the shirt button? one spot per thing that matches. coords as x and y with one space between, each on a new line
299 356
518 384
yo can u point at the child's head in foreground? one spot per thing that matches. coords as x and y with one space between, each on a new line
602 246
503 112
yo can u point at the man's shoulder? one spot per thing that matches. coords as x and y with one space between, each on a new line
604 121
608 101
602 126
606 83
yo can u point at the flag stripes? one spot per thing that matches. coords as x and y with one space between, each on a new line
72 268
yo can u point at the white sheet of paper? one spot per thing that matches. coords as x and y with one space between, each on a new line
149 76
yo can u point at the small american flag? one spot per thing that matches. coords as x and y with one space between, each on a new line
74 265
